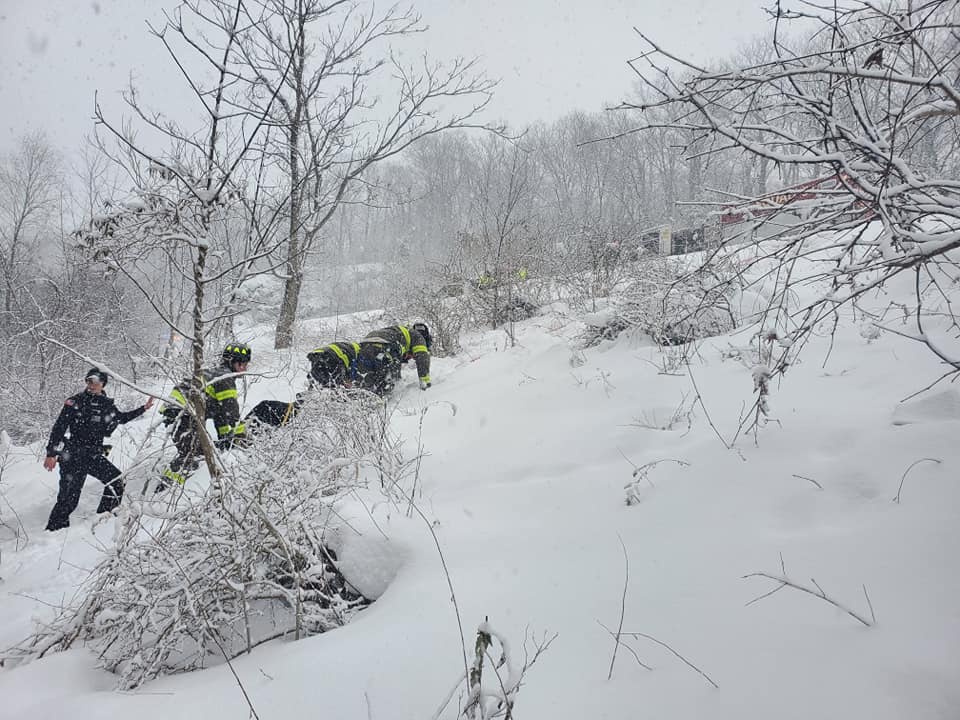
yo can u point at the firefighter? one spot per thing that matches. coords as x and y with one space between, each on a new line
76 442
383 352
485 280
333 365
220 388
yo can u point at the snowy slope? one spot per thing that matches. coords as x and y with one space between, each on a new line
528 450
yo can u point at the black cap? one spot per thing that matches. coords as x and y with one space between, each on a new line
98 374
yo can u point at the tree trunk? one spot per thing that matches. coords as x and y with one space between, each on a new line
288 310
695 176
762 171
283 337
747 185
196 395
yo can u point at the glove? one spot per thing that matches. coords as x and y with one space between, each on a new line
224 443
424 384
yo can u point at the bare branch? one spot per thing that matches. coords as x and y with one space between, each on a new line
896 498
818 592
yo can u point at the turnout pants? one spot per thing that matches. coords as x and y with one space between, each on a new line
377 370
272 412
187 442
75 465
327 370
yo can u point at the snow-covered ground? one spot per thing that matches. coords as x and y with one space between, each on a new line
528 450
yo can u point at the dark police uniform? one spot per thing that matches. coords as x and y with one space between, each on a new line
77 440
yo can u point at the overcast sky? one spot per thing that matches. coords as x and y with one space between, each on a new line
553 55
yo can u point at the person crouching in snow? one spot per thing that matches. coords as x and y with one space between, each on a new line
383 352
333 365
76 442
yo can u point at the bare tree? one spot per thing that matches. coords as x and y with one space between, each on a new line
504 226
44 295
96 180
847 114
323 63
29 191
180 219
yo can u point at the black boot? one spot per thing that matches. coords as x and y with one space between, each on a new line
112 494
54 524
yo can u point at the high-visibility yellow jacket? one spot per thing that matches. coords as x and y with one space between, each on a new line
222 405
404 342
334 364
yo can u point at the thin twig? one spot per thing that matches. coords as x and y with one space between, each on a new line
446 572
896 498
626 647
778 588
623 604
817 585
821 594
687 662
873 615
624 456
699 399
804 477
449 697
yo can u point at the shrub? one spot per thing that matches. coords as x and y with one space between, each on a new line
670 304
239 564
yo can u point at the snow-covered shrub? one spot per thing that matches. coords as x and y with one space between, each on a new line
637 489
674 306
601 325
243 562
9 526
446 315
671 304
515 309
591 260
502 303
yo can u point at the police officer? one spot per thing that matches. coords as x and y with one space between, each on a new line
333 365
76 442
383 351
220 388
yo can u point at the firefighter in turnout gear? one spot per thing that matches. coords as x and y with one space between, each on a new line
220 389
383 352
333 365
76 442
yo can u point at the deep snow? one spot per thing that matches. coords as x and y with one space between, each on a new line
528 450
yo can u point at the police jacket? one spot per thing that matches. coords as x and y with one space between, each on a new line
222 405
334 362
405 342
85 420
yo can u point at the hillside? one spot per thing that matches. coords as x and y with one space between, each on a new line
528 452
